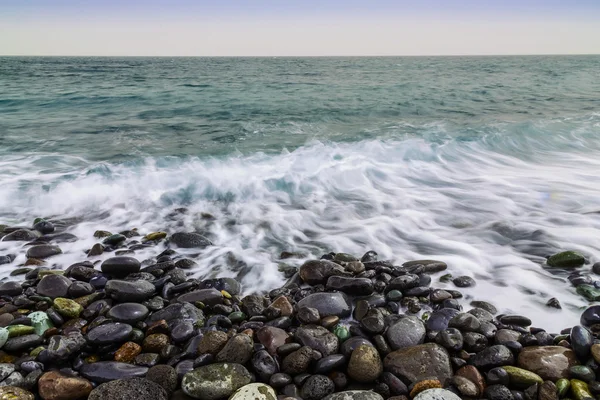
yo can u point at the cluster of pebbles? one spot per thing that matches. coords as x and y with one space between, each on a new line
341 328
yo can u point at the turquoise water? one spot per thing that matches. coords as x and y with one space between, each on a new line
489 163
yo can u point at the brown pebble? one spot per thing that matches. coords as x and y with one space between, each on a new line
155 343
212 342
473 374
128 352
55 386
283 305
330 321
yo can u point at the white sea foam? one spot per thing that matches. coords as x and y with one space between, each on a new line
486 213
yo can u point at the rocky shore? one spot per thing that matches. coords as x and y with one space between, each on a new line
343 327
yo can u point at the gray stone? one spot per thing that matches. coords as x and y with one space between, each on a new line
328 303
407 332
354 395
129 389
436 394
420 362
105 371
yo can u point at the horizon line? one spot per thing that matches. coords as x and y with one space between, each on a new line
306 56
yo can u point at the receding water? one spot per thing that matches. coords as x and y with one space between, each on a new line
488 163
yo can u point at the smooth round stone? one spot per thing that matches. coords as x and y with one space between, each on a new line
350 285
11 288
518 320
436 394
591 316
465 322
328 303
209 297
582 373
280 380
24 342
464 282
264 365
111 333
581 342
182 332
129 313
43 251
407 332
329 363
189 240
498 376
53 286
44 227
80 289
439 319
451 339
403 283
120 266
394 295
254 391
126 291
105 371
20 235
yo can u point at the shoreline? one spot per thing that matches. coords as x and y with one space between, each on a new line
342 327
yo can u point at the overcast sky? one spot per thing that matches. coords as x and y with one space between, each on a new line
298 27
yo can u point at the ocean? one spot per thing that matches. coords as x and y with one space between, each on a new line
490 164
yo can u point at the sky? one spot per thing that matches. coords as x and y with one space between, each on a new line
298 27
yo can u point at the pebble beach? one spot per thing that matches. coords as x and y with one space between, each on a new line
344 326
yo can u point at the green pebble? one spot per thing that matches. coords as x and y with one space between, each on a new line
582 373
19 330
35 221
589 292
522 378
137 335
580 390
40 321
36 351
155 236
67 307
394 295
563 385
20 271
115 239
102 234
425 316
566 259
341 332
446 278
237 316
